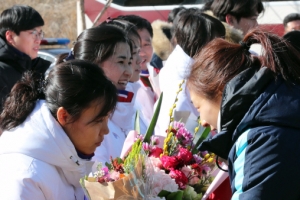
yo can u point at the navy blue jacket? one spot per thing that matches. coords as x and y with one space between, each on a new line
260 136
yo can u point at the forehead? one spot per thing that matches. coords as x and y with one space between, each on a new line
38 28
294 23
136 41
121 47
144 34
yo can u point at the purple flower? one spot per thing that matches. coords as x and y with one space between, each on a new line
197 158
178 125
184 136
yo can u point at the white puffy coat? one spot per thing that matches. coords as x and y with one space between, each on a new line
38 160
176 69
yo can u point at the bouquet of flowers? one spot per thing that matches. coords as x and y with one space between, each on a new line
122 178
155 168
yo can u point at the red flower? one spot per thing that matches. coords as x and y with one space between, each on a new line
180 178
169 162
197 168
156 151
185 155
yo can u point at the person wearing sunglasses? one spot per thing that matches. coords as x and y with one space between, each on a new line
20 37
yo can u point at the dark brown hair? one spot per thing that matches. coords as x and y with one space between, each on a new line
237 8
219 61
73 85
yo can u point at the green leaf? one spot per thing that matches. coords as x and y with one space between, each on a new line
120 161
153 121
175 195
109 166
163 193
202 137
171 195
137 122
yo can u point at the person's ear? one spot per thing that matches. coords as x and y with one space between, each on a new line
230 19
63 117
9 37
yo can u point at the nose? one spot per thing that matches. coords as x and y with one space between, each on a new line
142 52
105 129
204 123
128 71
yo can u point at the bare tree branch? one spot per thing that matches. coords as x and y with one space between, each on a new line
82 14
102 12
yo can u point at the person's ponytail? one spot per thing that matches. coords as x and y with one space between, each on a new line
20 102
278 55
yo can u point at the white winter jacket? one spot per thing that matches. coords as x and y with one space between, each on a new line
176 69
119 126
38 160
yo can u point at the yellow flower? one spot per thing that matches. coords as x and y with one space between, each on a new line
207 156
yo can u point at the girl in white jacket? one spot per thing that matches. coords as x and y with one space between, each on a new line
51 129
192 30
110 48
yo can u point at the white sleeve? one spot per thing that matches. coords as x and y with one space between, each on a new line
15 187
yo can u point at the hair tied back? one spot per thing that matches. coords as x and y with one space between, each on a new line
70 56
244 45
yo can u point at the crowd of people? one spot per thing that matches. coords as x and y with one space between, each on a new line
58 118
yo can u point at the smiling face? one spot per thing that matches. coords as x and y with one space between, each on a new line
86 133
136 59
209 110
118 67
146 48
27 42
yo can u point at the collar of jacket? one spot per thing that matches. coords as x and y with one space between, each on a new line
13 57
238 95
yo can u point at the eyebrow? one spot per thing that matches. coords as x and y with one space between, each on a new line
122 57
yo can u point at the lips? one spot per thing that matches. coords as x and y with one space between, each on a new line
122 84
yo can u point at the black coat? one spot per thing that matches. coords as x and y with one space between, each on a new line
13 64
260 136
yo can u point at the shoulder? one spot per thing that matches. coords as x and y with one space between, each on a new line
25 176
40 65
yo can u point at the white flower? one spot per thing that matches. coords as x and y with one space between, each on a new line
159 181
157 198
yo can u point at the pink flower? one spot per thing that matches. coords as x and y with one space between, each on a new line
155 162
180 178
154 140
114 175
170 162
159 181
185 155
187 171
178 125
156 152
194 180
146 147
